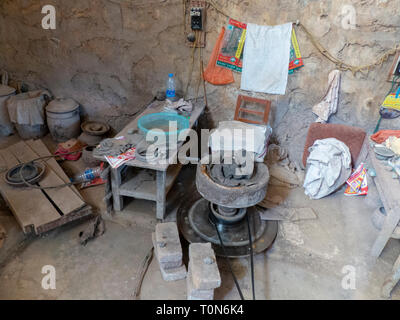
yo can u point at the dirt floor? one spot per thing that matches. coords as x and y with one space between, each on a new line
306 261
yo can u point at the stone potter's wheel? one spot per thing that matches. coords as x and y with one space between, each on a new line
195 225
217 205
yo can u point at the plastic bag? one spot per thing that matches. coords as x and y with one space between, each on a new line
392 101
328 167
357 184
296 61
214 74
231 53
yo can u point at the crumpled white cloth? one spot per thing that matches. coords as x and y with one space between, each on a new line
180 105
237 135
329 103
266 58
393 143
328 167
28 108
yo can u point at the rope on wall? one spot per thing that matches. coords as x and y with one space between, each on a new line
341 65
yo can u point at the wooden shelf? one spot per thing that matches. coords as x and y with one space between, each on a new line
142 184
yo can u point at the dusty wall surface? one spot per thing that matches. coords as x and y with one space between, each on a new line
114 55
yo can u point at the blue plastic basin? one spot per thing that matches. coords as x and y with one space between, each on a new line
154 122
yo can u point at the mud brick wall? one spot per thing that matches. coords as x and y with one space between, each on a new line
114 55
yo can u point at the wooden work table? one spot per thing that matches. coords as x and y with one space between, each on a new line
149 181
389 191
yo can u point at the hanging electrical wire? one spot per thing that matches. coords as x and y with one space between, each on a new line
251 257
229 263
191 65
36 186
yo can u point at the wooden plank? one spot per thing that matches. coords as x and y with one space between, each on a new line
10 159
248 121
392 280
40 148
64 198
144 186
116 180
258 113
390 186
85 212
3 164
161 196
30 206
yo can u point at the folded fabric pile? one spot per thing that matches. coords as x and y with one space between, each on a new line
237 135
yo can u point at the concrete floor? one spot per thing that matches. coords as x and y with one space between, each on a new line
305 262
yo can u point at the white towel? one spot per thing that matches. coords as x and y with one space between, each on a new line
329 104
266 58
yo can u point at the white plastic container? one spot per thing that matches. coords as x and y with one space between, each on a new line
63 119
6 127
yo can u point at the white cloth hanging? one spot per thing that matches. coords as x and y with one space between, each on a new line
266 58
329 103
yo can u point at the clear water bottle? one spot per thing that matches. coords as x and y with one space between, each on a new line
171 87
88 175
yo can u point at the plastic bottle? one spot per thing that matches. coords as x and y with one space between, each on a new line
170 93
88 175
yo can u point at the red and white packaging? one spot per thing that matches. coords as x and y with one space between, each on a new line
357 184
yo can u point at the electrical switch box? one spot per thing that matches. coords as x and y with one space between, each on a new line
195 23
196 18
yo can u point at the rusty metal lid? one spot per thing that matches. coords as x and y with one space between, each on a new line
6 90
62 106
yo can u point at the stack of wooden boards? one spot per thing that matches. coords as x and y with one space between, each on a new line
40 210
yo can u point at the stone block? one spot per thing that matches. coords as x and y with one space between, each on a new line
203 266
195 294
168 243
169 273
174 274
165 265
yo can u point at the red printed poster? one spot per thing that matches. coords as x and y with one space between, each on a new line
231 53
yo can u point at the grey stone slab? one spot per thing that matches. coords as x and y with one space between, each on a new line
168 243
174 274
203 266
164 265
195 294
170 273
